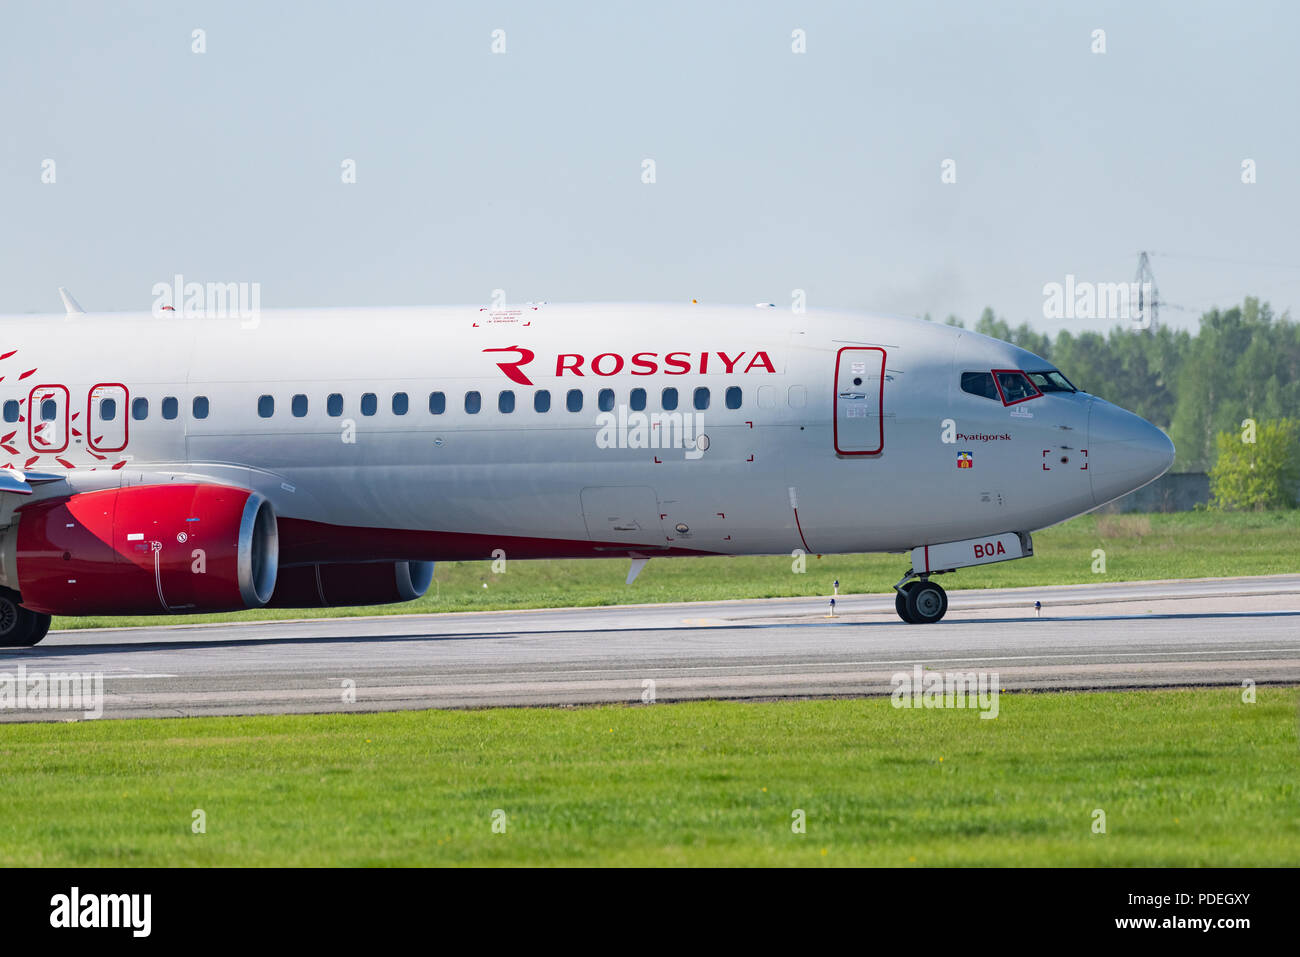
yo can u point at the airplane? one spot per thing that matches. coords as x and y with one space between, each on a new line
166 463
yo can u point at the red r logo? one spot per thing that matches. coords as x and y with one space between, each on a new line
511 369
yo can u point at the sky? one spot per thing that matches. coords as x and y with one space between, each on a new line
773 170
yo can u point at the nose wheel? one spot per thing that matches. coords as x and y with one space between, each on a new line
920 602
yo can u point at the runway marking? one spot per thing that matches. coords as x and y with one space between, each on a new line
59 669
120 677
846 664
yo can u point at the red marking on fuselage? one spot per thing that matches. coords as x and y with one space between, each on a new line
800 527
647 363
728 362
511 369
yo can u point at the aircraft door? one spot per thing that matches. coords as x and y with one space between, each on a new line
622 514
47 418
107 418
859 400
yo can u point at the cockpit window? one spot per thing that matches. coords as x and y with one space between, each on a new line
1010 386
1051 381
1015 386
979 383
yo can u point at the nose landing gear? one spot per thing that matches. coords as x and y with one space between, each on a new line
920 601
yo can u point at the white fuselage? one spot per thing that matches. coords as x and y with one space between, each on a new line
819 453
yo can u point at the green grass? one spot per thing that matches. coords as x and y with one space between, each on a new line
1184 778
1179 545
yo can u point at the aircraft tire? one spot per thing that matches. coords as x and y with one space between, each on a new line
926 603
20 627
900 601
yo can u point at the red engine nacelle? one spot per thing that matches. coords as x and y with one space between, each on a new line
352 583
146 550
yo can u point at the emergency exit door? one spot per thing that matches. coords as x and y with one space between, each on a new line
859 400
106 417
47 418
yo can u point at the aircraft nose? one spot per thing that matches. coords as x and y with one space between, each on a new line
1125 451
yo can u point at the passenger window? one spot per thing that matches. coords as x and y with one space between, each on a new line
637 400
49 410
107 410
506 401
369 403
265 407
733 397
473 402
541 401
668 399
701 398
170 407
605 400
140 408
437 403
298 406
401 402
12 412
766 397
573 401
979 383
334 404
199 407
798 396
1015 386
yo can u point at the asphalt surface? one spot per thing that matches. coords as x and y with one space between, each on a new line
1133 635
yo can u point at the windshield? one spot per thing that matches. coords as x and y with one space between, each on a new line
1051 381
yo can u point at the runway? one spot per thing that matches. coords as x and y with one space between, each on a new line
1106 636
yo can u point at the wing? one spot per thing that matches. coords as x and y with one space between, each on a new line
20 483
